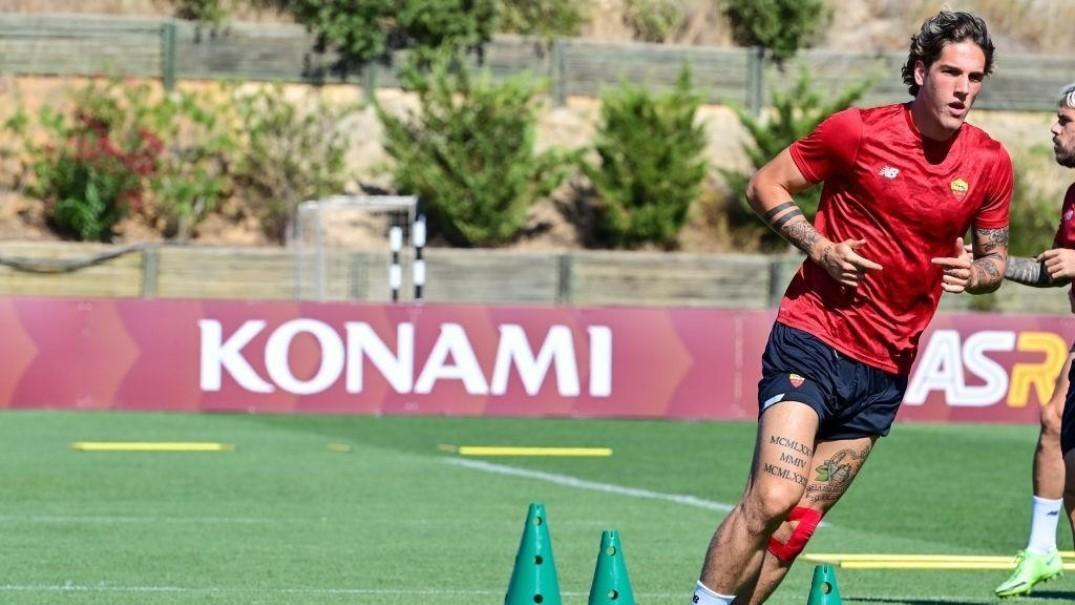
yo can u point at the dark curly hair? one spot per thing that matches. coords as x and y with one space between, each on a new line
943 28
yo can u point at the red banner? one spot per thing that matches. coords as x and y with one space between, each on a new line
474 359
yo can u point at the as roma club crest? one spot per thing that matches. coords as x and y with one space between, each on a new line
796 380
959 188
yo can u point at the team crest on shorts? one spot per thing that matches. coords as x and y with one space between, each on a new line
796 380
959 188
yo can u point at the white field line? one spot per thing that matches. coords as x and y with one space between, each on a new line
608 488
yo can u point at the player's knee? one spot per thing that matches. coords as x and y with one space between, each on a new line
806 520
767 506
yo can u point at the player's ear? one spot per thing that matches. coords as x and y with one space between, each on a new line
920 72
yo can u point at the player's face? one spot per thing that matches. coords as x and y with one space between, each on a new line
948 87
1064 137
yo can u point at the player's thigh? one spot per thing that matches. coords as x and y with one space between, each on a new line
835 466
783 454
1054 409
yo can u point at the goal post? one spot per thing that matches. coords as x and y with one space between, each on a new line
324 230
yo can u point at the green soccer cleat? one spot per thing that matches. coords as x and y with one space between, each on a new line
1030 569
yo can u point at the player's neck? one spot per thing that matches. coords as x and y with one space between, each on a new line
929 127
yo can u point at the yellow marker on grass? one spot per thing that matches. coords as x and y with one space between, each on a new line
935 562
938 565
489 450
151 446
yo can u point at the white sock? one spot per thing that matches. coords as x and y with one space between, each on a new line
704 596
1043 521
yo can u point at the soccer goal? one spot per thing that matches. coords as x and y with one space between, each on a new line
341 245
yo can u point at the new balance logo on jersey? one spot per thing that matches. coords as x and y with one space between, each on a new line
1068 215
889 172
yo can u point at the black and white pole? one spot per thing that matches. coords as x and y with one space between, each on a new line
395 273
418 272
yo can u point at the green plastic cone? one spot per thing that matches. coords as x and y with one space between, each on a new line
824 590
611 586
534 580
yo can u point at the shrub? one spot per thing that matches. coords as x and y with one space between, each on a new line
285 154
363 31
469 154
653 20
95 165
795 113
545 18
121 148
781 26
651 162
203 11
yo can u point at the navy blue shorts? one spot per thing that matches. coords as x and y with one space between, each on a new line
851 399
1067 420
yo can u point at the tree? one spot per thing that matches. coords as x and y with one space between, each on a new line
781 26
545 18
363 31
652 162
469 154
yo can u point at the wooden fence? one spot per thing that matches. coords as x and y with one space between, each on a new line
176 50
583 278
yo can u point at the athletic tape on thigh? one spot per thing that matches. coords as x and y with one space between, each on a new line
808 519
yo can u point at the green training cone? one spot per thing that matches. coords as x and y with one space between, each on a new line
824 590
611 586
534 580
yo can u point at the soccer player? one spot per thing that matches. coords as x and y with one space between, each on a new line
902 184
1056 267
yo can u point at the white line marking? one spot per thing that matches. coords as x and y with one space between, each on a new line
607 488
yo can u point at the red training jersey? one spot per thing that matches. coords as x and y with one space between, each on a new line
910 198
1065 233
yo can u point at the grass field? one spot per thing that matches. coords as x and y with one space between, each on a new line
285 519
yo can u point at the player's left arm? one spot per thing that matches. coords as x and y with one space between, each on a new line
990 247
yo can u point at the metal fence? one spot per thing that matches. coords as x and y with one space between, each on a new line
176 50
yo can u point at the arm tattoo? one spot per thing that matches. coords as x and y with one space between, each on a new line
801 234
1030 272
779 223
990 241
775 210
782 219
987 271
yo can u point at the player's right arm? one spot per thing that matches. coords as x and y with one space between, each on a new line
1050 269
771 196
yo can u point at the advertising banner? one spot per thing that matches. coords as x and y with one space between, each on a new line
282 357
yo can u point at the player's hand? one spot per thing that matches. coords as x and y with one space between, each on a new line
1059 263
843 262
957 269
